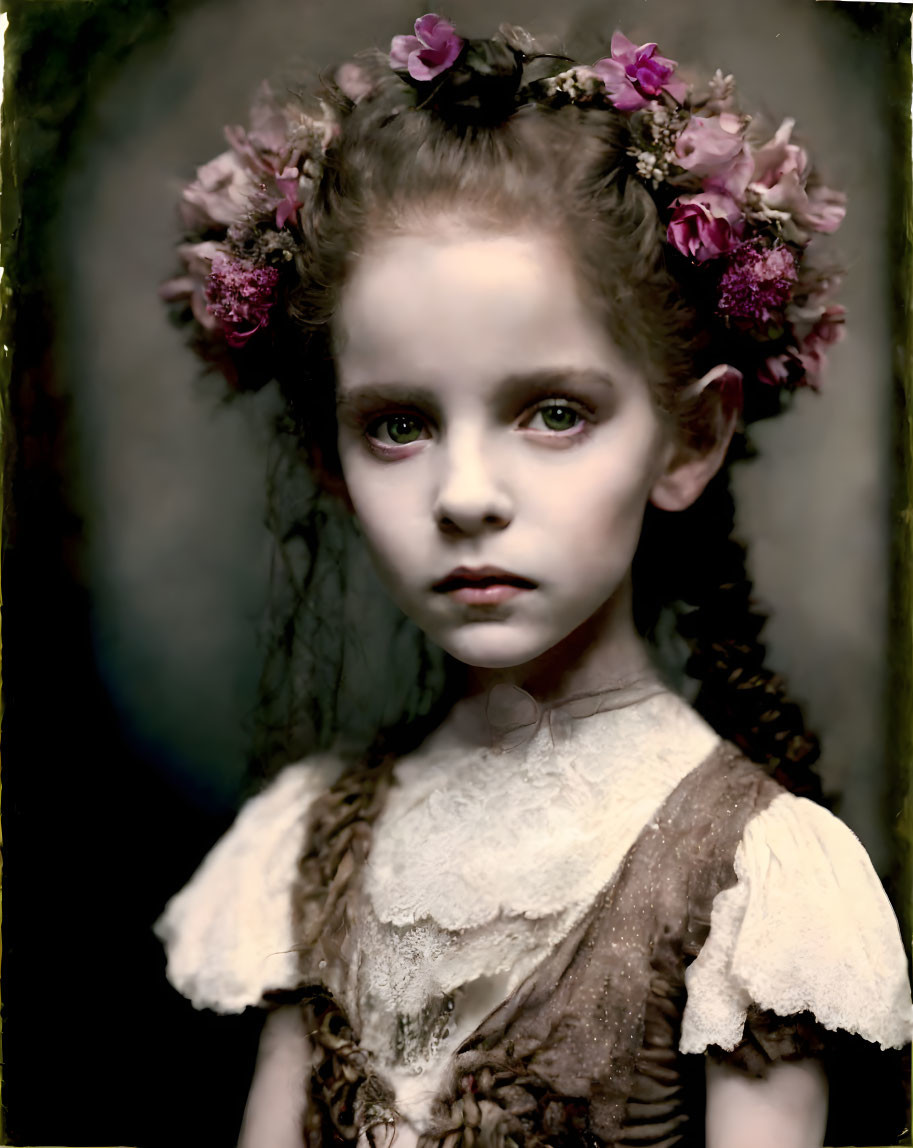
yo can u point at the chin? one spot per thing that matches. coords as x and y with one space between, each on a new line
488 646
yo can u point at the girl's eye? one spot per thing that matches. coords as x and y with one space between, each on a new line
398 430
555 416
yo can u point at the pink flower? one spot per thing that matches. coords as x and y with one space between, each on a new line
778 370
780 168
756 286
219 195
633 76
198 259
826 332
706 225
780 173
353 81
240 295
824 210
289 184
432 50
713 148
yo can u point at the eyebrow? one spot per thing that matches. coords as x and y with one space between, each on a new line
554 379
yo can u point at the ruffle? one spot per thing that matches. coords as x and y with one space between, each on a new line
229 934
806 929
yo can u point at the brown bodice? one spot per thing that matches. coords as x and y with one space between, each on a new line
585 1051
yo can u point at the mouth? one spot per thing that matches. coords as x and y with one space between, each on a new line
484 585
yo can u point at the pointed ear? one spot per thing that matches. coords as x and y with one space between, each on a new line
690 468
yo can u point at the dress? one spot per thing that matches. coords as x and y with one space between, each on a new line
589 1009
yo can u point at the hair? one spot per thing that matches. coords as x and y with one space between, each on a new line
563 171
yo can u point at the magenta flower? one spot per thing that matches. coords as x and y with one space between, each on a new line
432 50
706 225
756 286
240 295
713 148
633 76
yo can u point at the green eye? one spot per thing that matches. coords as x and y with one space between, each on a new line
403 429
559 418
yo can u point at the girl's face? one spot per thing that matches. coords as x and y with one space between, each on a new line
497 450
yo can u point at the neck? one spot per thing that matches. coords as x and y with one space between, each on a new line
605 652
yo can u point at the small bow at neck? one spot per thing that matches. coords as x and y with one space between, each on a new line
514 716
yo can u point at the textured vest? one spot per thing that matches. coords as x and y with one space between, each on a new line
585 1051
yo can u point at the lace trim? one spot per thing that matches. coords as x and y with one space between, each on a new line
806 928
229 933
533 834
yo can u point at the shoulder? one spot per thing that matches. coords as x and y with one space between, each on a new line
807 927
228 933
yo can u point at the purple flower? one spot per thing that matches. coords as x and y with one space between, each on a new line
432 50
713 148
706 225
756 286
633 76
240 295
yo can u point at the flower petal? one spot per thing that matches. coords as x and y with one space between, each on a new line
677 89
434 31
621 91
401 47
623 49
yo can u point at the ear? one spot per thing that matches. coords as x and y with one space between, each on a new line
689 468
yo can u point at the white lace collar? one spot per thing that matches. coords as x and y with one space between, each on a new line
528 829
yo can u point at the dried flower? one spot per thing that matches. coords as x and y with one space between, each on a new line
240 295
756 286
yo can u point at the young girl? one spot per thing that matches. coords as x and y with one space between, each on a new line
520 311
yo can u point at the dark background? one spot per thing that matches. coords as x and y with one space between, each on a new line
118 777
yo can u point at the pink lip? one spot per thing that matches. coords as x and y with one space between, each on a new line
482 585
486 595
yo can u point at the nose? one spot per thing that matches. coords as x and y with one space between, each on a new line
472 494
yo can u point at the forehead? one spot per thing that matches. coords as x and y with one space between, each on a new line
485 303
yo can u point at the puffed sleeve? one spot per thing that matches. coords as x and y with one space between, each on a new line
805 933
228 933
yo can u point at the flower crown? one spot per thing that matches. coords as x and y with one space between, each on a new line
739 208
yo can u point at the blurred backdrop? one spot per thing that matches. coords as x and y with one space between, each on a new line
136 558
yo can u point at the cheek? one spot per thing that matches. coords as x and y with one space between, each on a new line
593 505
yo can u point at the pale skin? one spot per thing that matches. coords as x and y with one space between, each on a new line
485 419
